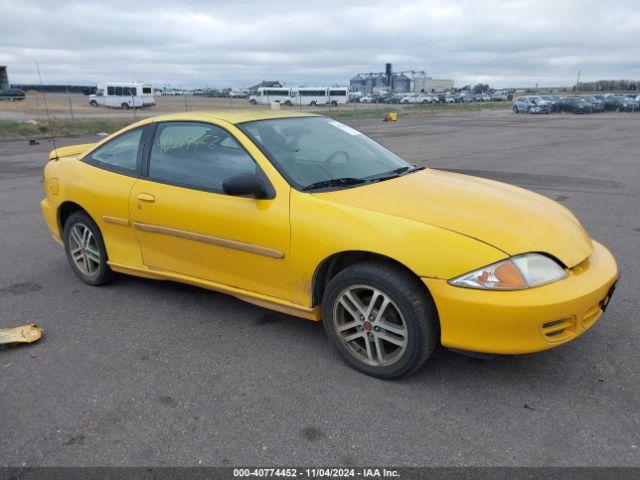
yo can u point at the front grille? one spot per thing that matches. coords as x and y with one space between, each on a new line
559 330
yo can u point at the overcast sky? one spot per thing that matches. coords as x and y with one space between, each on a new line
238 43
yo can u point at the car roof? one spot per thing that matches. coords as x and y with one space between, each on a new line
234 116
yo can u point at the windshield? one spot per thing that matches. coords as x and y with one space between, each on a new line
311 150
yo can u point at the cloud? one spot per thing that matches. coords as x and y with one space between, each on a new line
235 43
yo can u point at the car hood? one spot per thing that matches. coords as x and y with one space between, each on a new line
509 218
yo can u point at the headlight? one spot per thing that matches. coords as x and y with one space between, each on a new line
516 273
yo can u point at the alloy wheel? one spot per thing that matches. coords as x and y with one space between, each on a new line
84 249
370 325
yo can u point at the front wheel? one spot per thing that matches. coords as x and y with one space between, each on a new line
380 319
125 106
515 109
93 103
334 103
85 249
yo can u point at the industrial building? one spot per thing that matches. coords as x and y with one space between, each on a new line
398 82
264 84
4 78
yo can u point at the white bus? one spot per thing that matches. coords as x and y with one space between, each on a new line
123 95
338 96
321 96
311 96
267 95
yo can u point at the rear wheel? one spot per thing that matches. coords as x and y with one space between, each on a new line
125 106
85 250
380 319
313 103
93 103
334 103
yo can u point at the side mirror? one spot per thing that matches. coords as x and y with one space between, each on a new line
244 184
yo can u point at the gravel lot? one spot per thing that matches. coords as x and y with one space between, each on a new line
156 373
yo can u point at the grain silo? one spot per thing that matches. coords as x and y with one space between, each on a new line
357 83
401 83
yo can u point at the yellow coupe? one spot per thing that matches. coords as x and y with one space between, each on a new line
307 216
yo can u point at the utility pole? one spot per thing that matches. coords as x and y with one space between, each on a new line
578 81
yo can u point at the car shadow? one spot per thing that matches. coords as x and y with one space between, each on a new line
441 367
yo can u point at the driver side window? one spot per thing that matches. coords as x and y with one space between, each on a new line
196 155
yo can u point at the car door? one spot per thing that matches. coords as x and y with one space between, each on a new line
186 224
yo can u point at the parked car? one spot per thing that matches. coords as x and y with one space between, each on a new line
531 104
416 98
554 102
597 105
397 97
384 97
575 105
618 103
12 94
331 228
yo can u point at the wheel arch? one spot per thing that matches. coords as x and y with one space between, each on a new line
65 210
333 264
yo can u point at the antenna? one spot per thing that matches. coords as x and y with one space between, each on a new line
46 108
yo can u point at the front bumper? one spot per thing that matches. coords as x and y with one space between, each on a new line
525 321
50 214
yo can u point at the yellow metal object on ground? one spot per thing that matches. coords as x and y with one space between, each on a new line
393 116
25 334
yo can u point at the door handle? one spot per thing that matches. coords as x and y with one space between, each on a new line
146 197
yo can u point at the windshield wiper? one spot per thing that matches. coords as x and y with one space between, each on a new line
396 173
334 182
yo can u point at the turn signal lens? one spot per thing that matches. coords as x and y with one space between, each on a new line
509 276
516 273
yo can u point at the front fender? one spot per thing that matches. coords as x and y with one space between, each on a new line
320 229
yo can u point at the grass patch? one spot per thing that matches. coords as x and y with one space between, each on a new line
25 130
379 109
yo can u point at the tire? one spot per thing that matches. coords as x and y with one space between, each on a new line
93 103
410 310
313 103
334 103
125 106
287 103
515 109
92 253
253 102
